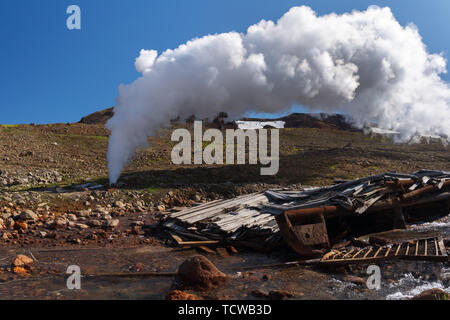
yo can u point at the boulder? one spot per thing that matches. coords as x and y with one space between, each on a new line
432 294
199 273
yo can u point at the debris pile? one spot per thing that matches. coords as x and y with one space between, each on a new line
312 221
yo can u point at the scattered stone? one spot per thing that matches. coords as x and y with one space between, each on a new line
28 215
10 222
59 223
135 230
6 236
72 217
112 223
22 260
138 267
94 223
119 204
82 226
20 271
21 225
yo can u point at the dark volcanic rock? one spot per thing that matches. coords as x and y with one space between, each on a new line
432 294
199 273
99 117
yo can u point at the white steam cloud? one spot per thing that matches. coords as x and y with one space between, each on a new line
364 64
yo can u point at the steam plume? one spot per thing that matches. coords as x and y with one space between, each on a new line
364 64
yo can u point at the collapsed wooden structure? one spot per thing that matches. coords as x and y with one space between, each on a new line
311 221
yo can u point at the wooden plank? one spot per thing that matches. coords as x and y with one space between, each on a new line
361 250
367 253
398 249
378 251
197 243
388 251
426 249
176 238
206 249
442 247
191 235
348 253
233 250
436 246
417 248
407 249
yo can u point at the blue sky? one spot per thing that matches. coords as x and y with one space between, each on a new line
51 74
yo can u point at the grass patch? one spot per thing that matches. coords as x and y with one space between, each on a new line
153 190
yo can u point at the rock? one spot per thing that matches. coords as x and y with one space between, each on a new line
112 223
355 280
181 295
138 267
94 223
28 215
135 230
266 277
20 271
260 294
22 261
59 223
10 222
199 273
21 225
82 226
432 294
280 294
84 213
6 235
137 223
119 204
161 208
72 217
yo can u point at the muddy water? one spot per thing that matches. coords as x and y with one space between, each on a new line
399 279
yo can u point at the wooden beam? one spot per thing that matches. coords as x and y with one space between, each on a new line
398 249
